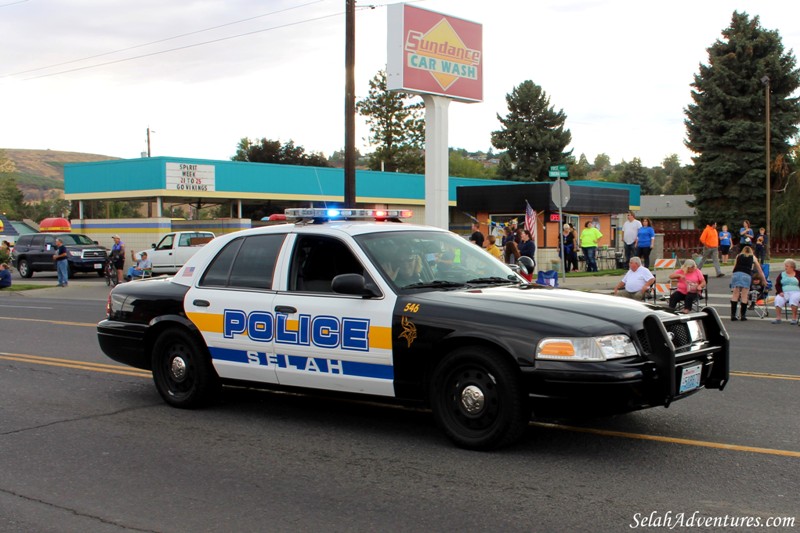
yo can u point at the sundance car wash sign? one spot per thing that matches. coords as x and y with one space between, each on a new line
189 177
432 53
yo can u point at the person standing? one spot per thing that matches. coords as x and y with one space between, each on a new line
118 256
477 236
644 241
725 243
761 245
62 265
526 246
746 235
630 232
570 249
589 237
710 241
744 267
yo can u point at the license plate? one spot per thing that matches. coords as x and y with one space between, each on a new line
98 266
690 378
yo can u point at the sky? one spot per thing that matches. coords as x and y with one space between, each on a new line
93 75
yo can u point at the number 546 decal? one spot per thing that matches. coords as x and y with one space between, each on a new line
411 308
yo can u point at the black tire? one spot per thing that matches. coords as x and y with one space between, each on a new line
182 370
24 269
478 400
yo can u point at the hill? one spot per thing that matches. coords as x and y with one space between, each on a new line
40 173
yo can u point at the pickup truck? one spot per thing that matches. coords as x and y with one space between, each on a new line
174 249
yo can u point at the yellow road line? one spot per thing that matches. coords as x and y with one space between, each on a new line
766 375
672 440
59 322
79 365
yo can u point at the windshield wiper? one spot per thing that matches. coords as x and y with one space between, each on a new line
493 280
435 284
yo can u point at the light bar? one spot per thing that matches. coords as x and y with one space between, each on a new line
338 214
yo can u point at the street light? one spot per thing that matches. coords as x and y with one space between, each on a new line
765 81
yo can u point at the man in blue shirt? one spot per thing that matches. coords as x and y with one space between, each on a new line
62 265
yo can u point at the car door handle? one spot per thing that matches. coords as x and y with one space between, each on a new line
201 303
288 309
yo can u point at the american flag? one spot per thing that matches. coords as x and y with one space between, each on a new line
530 220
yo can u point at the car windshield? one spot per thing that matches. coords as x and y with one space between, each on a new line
75 238
432 259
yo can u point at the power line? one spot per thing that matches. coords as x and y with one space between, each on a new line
158 40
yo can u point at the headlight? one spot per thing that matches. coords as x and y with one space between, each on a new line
586 348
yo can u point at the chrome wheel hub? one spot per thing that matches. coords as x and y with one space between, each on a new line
472 399
178 369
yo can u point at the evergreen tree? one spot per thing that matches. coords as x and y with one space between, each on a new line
397 127
533 135
725 124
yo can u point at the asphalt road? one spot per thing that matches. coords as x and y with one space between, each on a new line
88 445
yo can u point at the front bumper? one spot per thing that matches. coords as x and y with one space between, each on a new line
665 374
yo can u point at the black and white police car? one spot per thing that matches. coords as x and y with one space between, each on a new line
355 301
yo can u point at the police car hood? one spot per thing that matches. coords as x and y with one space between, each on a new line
559 308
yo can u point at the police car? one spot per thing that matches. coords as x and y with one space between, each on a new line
355 301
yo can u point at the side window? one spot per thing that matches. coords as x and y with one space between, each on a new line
166 242
247 263
186 239
317 260
37 241
255 262
50 242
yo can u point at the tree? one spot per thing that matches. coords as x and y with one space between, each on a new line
725 124
533 134
465 167
602 162
397 127
12 200
269 151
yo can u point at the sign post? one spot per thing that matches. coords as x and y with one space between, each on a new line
559 193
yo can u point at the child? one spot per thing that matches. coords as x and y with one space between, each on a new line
761 245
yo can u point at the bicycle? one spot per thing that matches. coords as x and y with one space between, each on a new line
110 273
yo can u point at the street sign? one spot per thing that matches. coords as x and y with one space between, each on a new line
558 171
559 193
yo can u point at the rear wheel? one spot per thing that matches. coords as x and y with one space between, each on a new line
478 400
24 268
182 370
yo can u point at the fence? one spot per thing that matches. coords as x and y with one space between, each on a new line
686 243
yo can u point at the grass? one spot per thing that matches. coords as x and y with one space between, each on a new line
24 287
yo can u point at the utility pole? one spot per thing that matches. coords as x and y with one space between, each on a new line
765 81
350 106
148 141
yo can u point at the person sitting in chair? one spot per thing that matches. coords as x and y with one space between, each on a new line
636 281
143 265
691 283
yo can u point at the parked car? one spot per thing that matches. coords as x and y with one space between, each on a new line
34 253
405 312
174 249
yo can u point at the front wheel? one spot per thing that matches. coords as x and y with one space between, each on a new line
478 400
182 370
24 268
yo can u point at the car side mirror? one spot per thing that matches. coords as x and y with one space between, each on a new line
354 284
96 243
153 245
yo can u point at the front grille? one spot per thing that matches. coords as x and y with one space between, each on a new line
93 254
679 334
